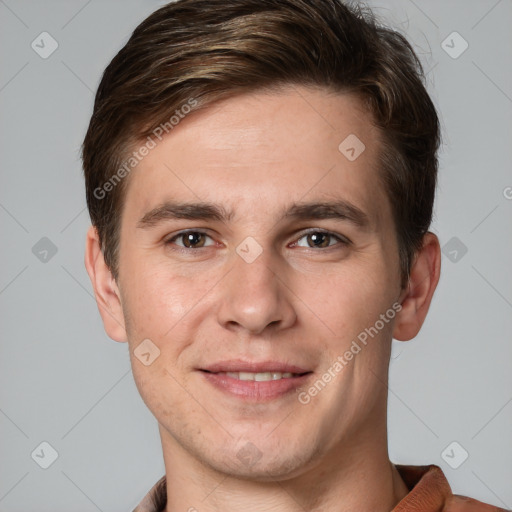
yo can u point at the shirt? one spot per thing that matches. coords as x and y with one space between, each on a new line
429 492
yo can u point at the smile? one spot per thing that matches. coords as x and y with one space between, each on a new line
256 386
260 376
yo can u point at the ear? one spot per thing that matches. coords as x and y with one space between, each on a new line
415 299
105 287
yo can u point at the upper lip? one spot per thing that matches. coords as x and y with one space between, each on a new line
238 365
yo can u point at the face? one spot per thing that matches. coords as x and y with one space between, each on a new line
253 254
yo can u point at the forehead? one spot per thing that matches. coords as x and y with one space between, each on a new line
255 152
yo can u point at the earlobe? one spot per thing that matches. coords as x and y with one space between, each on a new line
105 288
423 280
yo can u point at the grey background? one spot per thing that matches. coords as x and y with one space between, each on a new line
64 382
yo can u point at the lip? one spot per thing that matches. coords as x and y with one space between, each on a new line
238 365
255 391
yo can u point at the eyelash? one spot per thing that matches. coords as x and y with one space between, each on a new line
343 241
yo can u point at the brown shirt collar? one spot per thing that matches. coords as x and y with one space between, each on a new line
429 492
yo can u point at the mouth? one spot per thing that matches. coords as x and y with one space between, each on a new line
253 381
260 376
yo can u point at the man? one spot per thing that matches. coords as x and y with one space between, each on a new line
260 177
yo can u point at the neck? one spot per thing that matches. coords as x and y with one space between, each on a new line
358 476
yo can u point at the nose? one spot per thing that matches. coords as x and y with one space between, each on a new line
255 296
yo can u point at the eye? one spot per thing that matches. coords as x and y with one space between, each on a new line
321 239
190 239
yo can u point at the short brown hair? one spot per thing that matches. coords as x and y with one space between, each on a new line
207 50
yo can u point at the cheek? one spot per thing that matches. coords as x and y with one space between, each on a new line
168 308
160 387
351 297
157 300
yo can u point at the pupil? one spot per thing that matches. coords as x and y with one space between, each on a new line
318 239
192 239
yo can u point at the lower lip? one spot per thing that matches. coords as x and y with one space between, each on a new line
255 390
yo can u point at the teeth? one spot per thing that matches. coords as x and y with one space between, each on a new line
258 377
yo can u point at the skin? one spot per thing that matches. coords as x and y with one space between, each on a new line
256 154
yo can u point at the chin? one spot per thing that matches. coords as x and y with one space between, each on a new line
246 461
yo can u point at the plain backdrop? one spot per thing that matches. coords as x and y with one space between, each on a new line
65 383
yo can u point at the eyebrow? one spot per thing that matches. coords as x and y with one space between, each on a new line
191 211
337 210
